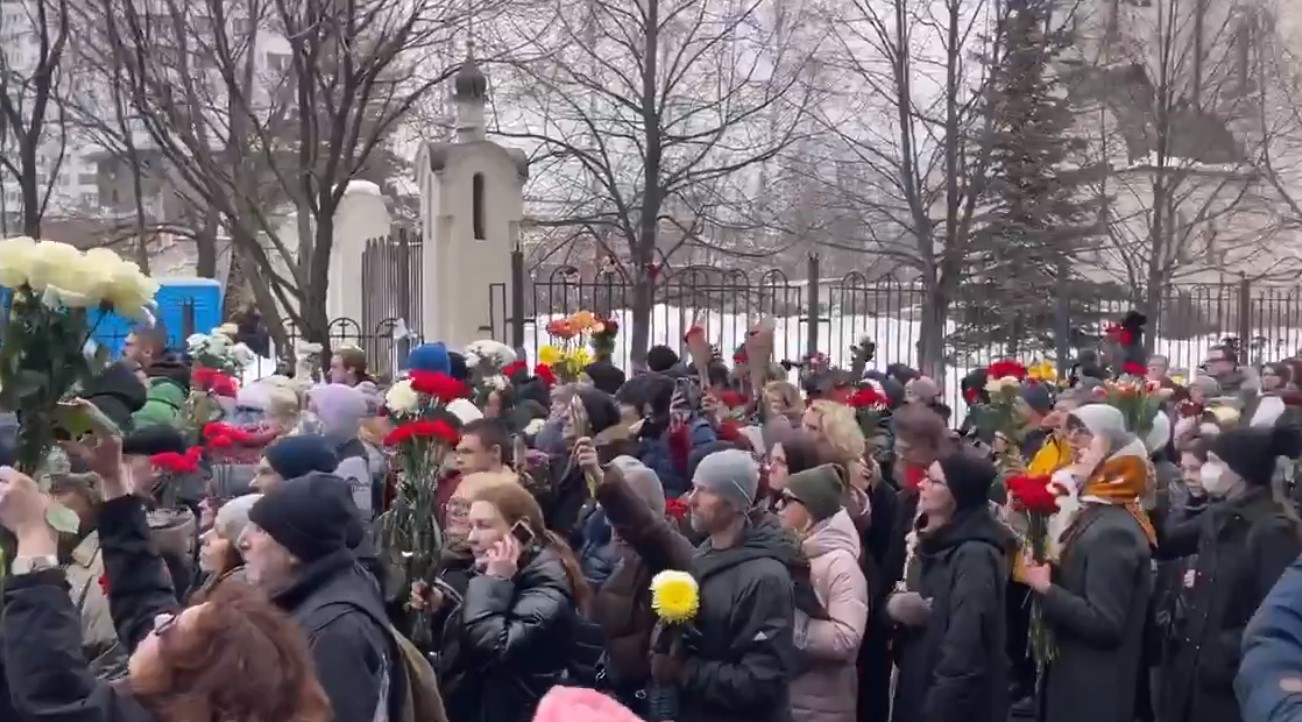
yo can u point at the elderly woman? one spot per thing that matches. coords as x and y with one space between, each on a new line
1095 598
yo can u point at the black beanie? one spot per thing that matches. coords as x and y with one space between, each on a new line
1251 452
457 366
311 516
661 359
601 409
295 456
969 478
605 375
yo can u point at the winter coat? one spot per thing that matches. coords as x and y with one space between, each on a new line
955 669
169 385
334 601
657 454
740 648
598 555
46 673
647 545
1272 645
84 571
827 687
509 642
1096 611
566 503
1243 546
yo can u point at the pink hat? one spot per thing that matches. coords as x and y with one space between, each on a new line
573 704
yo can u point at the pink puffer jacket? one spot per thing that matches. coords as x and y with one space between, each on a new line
826 691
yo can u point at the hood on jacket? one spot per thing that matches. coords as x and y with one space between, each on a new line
834 533
117 392
973 525
340 409
171 368
764 538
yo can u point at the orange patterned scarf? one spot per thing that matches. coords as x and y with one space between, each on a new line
1122 481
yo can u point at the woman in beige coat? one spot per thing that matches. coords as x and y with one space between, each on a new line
826 688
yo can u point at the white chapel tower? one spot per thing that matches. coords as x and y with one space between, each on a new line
472 202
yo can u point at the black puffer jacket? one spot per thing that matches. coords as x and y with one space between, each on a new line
509 642
741 653
1242 547
955 668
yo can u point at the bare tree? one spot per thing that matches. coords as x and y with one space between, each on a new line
1279 75
33 128
263 108
912 127
1175 124
654 121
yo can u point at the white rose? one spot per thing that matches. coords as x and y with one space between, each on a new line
50 263
401 398
15 260
242 353
534 427
130 291
195 341
497 383
472 359
997 386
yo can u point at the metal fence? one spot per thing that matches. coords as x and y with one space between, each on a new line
830 313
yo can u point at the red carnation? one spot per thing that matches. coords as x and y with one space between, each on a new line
104 584
544 372
1134 369
1006 368
437 429
1119 334
740 356
174 463
514 368
676 509
732 399
693 332
1034 494
221 441
867 398
913 476
438 385
972 395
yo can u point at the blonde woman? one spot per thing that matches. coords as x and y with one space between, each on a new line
782 401
840 441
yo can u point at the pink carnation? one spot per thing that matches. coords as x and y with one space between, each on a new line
572 704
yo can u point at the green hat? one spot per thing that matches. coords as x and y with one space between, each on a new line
818 489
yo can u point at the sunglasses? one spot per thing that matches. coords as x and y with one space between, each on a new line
785 500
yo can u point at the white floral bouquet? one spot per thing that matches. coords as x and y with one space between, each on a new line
44 333
217 350
486 359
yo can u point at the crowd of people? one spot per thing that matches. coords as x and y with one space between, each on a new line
854 563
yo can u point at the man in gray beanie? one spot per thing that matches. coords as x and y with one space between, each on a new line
745 655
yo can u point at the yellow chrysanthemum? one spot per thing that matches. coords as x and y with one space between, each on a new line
1179 380
579 357
1043 371
675 596
549 355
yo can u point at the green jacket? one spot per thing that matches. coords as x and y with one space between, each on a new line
163 404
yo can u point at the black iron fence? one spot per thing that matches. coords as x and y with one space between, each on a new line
828 314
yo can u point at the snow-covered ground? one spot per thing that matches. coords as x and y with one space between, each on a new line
896 341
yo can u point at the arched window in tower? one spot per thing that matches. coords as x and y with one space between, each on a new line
477 207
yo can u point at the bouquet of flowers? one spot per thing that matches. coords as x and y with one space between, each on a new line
423 435
1137 400
488 360
1002 413
568 353
602 337
1038 498
215 350
45 332
1043 371
870 407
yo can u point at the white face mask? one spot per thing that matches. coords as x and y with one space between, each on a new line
1214 479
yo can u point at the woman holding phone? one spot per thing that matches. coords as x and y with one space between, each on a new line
513 637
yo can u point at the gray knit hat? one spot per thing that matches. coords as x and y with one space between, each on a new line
644 482
732 474
233 516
